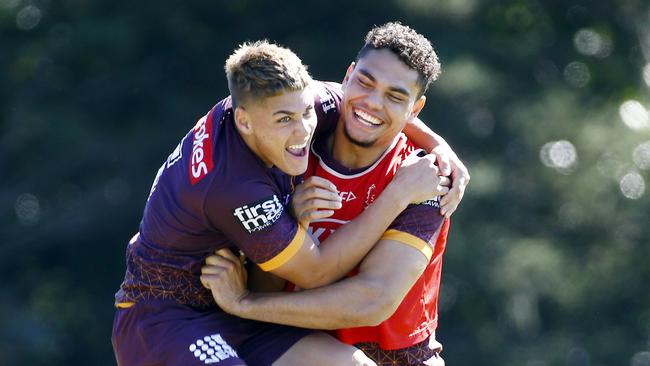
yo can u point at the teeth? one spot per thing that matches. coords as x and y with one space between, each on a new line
297 147
367 117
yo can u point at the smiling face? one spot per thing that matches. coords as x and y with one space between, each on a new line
380 95
278 129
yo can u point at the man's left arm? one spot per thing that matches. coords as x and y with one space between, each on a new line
385 276
448 162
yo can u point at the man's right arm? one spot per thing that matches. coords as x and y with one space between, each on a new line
314 266
385 277
278 244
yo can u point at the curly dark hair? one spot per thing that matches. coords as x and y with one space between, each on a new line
412 48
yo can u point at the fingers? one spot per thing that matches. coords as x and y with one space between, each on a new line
444 165
219 260
449 203
319 203
440 191
317 182
413 157
449 206
460 178
227 253
205 281
316 214
444 182
217 264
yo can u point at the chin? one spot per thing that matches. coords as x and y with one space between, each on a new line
295 169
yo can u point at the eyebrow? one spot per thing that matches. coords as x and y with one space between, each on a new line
392 88
282 111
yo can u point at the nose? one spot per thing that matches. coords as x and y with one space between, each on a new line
373 100
304 127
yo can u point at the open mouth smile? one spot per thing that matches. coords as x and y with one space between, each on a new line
297 150
367 118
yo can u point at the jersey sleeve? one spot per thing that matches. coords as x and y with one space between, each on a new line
327 104
254 217
418 226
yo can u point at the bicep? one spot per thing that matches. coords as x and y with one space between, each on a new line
300 267
395 265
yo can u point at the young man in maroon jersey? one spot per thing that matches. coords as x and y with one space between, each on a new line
227 184
388 308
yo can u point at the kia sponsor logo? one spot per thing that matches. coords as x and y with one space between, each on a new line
201 161
347 196
259 215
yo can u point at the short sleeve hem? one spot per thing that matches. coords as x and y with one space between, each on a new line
410 240
287 253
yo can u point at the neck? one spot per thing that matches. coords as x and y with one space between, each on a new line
350 155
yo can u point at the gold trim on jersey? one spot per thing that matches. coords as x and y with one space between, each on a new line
410 240
124 305
287 253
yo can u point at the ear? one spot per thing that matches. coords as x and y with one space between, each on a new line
243 121
417 107
348 72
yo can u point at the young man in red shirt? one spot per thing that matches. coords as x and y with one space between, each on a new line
388 305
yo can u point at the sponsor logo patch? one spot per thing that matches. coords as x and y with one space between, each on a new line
435 202
212 349
259 215
347 196
370 196
201 160
326 100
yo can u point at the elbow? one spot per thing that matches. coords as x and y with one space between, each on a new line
378 313
376 305
315 279
312 281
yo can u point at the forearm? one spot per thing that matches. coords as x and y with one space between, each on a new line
422 136
347 246
319 308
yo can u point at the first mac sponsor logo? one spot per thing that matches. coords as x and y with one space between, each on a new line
201 160
259 215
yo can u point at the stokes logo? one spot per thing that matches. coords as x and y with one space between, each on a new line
201 162
259 215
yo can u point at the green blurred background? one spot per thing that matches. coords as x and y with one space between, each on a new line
546 102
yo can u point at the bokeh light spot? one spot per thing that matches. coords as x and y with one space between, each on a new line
634 115
591 43
632 185
558 154
28 209
28 18
577 74
641 155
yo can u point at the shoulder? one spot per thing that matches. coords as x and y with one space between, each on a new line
327 96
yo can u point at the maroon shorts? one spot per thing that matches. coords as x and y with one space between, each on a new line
425 353
160 332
